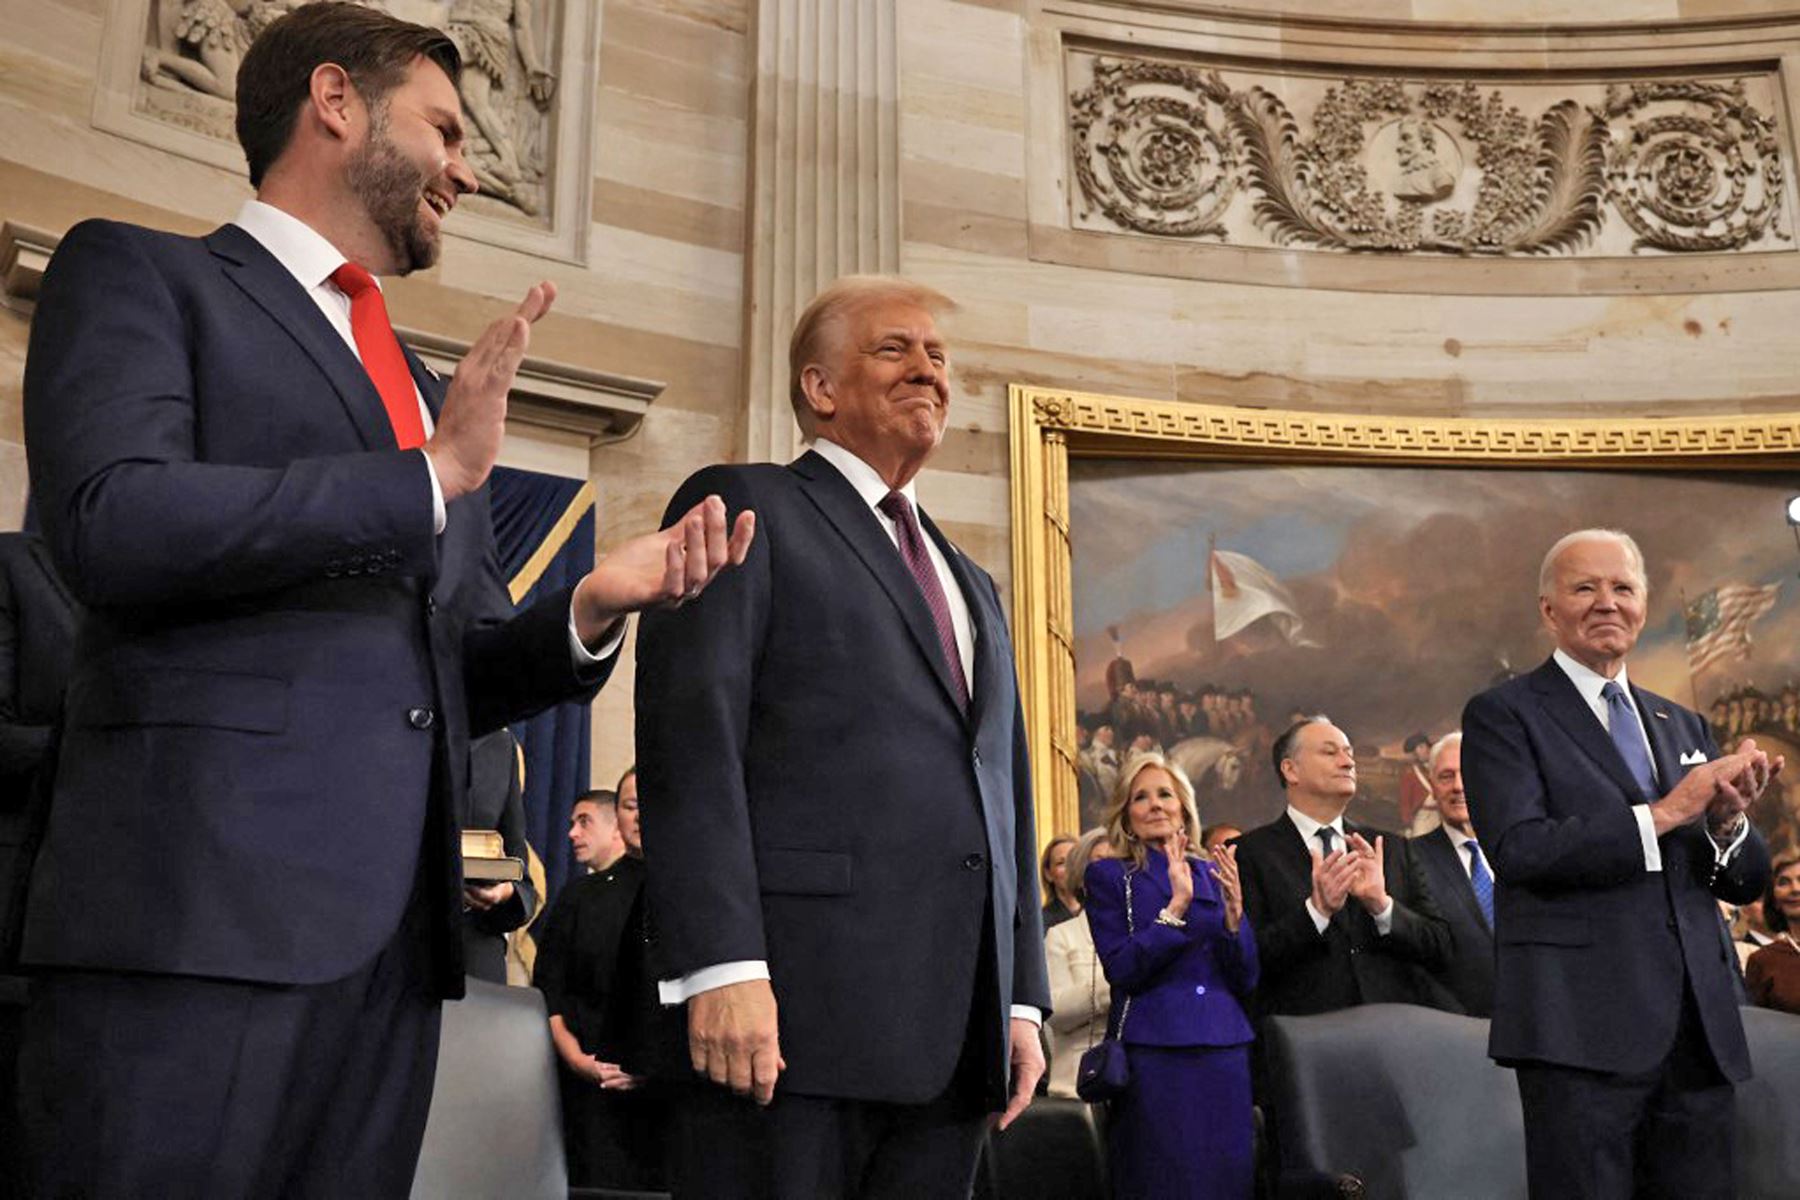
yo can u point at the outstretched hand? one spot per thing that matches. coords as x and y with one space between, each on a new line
665 569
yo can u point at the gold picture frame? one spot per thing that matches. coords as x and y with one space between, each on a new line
1051 426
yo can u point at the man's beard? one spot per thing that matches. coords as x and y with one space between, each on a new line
391 189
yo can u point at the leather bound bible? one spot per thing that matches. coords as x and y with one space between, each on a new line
485 859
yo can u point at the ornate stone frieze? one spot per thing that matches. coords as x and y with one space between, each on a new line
1552 166
170 75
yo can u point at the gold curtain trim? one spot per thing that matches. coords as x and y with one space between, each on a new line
552 545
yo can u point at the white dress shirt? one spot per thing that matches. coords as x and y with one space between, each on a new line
1460 842
1590 683
873 489
311 259
1309 834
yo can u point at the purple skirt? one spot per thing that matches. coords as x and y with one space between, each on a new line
1183 1130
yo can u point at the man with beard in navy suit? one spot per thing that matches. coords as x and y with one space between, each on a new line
277 520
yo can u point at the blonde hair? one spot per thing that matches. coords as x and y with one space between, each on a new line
822 321
1116 820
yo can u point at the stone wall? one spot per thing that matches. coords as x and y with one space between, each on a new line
744 151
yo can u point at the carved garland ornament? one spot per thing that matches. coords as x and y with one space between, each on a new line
1390 165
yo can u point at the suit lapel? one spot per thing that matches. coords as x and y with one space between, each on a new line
430 384
279 294
1449 857
839 503
1557 693
1658 727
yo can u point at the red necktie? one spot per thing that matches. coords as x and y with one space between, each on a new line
380 352
918 561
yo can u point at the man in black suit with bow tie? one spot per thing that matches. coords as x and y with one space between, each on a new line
1612 823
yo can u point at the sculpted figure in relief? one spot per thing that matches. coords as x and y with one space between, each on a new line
199 43
490 34
1423 175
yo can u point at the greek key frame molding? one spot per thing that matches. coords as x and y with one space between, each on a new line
1050 426
1189 141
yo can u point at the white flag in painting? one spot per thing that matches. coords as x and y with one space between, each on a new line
1243 591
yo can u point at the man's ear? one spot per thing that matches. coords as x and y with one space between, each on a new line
821 394
333 101
1289 772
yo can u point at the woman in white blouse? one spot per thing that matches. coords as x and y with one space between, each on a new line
1079 995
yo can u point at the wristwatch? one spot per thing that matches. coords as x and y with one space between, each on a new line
1165 917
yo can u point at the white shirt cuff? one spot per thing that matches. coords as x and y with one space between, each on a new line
1724 854
1028 1012
438 516
706 979
1384 920
581 656
1647 835
1319 921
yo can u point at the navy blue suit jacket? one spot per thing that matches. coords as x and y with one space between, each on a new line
1592 948
1470 971
814 797
282 665
1188 985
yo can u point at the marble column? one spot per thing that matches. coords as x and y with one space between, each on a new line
824 182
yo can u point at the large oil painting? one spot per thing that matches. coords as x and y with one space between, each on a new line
1215 603
1195 578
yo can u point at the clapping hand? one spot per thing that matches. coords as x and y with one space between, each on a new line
1181 874
1370 885
1332 875
1230 884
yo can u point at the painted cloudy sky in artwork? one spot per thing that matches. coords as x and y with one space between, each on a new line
1419 584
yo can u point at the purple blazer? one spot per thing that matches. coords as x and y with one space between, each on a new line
1187 985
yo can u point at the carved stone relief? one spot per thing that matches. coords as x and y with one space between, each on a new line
1539 167
522 116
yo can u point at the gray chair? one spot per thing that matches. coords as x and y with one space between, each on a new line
1392 1101
1768 1109
495 1130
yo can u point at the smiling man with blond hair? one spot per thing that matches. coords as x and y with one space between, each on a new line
837 809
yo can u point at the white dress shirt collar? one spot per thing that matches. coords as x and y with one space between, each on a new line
865 479
1588 681
1309 828
303 250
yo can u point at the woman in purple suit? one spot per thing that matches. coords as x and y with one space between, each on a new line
1184 960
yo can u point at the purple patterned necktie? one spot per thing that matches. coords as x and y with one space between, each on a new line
912 549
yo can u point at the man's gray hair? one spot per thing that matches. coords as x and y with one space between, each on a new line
1453 738
1547 572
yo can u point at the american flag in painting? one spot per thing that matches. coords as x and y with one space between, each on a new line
1718 623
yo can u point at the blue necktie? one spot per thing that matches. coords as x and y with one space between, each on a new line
1481 881
1324 834
1627 736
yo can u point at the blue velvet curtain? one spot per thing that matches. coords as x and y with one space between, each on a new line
544 527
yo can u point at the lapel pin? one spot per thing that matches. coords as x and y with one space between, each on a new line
1661 715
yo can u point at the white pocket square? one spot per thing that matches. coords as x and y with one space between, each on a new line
1692 757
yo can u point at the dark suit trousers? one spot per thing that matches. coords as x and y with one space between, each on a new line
815 1146
1665 1133
151 1085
